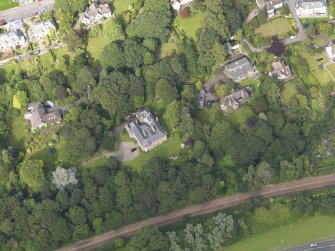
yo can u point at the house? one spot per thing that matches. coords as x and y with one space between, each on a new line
14 25
234 100
143 127
40 116
330 50
179 4
280 70
42 29
241 69
311 8
12 40
95 13
270 6
232 46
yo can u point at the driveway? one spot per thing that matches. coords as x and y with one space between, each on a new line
124 153
301 36
28 10
219 77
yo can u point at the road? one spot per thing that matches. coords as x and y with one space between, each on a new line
27 10
328 245
201 209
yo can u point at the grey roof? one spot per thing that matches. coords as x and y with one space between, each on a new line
280 70
40 117
311 4
239 68
145 128
235 99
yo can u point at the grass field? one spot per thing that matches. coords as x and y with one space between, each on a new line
305 230
122 5
250 82
288 92
190 25
18 131
323 77
276 27
166 150
7 4
95 47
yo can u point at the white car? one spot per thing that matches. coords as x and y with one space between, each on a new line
313 245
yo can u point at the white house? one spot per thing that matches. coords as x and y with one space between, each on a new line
178 4
330 50
12 40
311 8
42 29
270 6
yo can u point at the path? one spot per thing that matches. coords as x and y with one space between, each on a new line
27 10
201 209
124 152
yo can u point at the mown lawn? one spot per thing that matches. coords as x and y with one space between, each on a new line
210 116
167 49
19 134
122 5
95 47
305 230
276 27
7 4
250 82
190 25
166 150
322 77
289 91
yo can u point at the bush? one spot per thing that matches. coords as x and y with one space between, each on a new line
184 12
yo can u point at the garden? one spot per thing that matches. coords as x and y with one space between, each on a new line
7 4
280 27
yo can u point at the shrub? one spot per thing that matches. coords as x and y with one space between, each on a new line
184 12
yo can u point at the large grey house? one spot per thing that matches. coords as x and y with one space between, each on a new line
241 69
40 116
144 127
234 100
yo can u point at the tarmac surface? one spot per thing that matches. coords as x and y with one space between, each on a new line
328 245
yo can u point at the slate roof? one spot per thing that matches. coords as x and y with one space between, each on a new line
235 99
239 68
311 4
145 128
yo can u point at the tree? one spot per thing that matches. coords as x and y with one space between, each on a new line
149 239
222 230
32 174
259 176
84 80
166 91
112 56
186 125
73 41
172 114
20 100
62 177
194 237
113 31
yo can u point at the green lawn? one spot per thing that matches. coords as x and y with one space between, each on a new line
278 27
95 47
319 42
305 230
210 116
18 134
239 117
311 59
122 5
190 25
288 92
166 150
331 68
167 49
7 4
250 82
322 77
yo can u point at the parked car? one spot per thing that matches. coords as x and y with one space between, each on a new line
133 149
313 245
3 22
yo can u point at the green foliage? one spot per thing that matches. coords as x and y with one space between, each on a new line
149 239
32 174
113 31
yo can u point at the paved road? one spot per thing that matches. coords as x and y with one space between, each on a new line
201 209
328 245
27 10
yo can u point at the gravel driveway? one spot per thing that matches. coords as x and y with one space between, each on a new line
124 153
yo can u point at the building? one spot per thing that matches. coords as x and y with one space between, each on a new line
95 13
241 69
201 98
143 127
179 4
42 29
330 50
12 40
311 8
234 100
280 70
41 115
14 25
270 6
